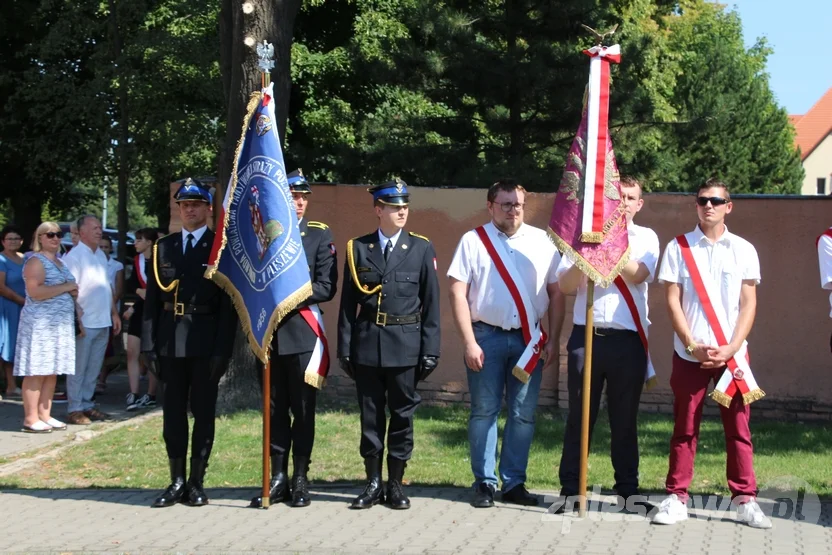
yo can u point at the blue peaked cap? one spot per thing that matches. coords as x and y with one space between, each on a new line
393 192
192 189
297 182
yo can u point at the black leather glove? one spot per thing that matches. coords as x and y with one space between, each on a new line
347 367
151 361
427 364
216 368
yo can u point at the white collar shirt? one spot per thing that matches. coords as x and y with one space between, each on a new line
825 262
731 260
91 271
609 309
197 233
383 239
536 259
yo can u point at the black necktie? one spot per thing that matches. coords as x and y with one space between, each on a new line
388 248
190 244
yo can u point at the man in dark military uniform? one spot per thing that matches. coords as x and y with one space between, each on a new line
296 375
388 337
187 337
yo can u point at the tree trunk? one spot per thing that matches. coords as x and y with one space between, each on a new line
515 84
273 21
121 153
26 209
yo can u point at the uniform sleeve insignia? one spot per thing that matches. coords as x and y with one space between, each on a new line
319 225
419 236
332 248
434 263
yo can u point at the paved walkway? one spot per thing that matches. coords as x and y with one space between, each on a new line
13 441
441 521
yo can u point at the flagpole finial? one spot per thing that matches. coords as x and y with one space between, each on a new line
600 36
265 60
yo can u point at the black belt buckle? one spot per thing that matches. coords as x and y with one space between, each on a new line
381 318
179 309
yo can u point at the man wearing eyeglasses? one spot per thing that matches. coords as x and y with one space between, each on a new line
621 358
502 281
711 277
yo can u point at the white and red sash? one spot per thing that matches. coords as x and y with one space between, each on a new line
828 233
641 326
318 367
533 334
139 263
738 375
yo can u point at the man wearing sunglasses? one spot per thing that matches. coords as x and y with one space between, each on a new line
711 277
502 282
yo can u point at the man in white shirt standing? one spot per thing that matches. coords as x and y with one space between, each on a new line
88 264
620 355
825 261
712 264
502 281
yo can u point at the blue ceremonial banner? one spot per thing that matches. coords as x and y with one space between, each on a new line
258 256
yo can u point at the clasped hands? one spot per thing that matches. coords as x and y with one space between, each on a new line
713 356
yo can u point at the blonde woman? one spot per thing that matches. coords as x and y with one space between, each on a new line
46 333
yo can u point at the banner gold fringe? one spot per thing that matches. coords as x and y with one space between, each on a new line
651 382
314 379
721 398
752 396
520 374
584 266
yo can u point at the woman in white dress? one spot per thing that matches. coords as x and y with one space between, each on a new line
46 332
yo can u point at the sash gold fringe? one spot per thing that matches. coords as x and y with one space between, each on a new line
584 266
592 237
651 382
314 379
752 396
721 398
253 102
520 374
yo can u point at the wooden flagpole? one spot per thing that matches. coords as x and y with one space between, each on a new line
267 432
585 390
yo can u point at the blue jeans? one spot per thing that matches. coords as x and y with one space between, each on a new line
89 356
502 349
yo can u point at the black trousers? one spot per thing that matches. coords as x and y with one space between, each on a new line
620 360
187 380
394 389
292 406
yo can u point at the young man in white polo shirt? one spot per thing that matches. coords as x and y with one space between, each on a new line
620 356
713 262
88 264
825 263
503 350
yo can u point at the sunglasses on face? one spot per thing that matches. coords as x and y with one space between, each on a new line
52 234
715 201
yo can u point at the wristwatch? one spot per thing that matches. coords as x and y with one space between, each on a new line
690 348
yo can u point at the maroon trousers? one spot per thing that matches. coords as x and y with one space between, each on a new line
689 383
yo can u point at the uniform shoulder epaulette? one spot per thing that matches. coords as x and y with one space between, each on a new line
419 236
319 225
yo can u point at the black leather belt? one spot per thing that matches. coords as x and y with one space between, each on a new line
384 319
181 308
603 332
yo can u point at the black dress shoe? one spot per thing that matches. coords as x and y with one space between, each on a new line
396 498
569 504
196 495
483 497
373 493
519 495
278 485
635 503
176 491
300 482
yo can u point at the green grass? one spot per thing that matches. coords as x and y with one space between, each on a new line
134 456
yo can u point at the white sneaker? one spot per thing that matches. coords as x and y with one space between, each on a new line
671 511
753 515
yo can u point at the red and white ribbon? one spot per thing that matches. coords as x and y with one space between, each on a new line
533 334
598 105
318 367
139 262
641 322
737 376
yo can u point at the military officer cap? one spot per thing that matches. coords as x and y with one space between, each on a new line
298 183
192 189
393 193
